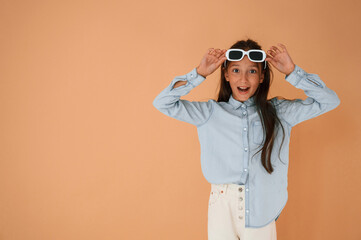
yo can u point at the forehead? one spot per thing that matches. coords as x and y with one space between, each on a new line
243 63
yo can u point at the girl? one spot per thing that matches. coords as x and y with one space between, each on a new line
244 136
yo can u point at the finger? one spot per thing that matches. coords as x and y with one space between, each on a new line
218 53
283 47
271 52
276 49
268 57
216 50
221 60
270 60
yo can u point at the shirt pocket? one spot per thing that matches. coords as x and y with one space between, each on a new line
257 132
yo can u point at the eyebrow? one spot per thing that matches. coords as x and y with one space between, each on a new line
253 65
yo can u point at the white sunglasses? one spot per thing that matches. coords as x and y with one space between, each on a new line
254 55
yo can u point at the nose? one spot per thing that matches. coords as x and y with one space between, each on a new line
243 78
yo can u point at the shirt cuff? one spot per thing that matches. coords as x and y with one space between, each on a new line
194 78
296 76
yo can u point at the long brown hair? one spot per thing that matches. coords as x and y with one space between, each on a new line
265 109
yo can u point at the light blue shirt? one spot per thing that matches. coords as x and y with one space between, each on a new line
231 132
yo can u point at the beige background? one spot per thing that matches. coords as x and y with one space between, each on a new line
85 155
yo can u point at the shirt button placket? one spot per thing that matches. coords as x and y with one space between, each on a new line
243 200
243 107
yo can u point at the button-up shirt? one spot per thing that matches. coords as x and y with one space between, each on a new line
231 132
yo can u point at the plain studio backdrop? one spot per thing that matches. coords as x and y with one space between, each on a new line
85 155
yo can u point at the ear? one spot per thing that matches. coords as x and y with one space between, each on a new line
226 74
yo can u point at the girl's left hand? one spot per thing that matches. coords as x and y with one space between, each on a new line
280 59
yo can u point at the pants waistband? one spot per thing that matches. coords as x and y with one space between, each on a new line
225 187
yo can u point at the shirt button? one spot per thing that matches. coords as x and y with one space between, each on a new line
245 169
245 149
247 211
246 189
243 106
191 74
240 189
240 217
245 129
244 113
241 198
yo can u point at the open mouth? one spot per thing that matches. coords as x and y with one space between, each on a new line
243 89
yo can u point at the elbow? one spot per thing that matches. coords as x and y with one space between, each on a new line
156 103
333 101
334 104
160 103
337 101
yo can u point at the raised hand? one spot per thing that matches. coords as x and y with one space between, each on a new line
211 61
280 59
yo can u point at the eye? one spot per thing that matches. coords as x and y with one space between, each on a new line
234 69
253 70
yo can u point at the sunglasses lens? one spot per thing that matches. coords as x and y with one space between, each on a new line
235 55
256 56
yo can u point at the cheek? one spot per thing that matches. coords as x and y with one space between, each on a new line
255 82
233 85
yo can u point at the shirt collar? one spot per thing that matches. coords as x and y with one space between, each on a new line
236 104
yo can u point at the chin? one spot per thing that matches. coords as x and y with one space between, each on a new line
244 96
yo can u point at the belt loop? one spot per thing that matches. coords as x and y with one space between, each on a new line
225 188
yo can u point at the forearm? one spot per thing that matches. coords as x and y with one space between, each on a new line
320 99
312 85
169 102
180 86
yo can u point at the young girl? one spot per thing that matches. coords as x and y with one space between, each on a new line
244 136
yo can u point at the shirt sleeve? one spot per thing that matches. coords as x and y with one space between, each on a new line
320 99
169 102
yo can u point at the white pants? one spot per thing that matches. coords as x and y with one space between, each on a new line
226 216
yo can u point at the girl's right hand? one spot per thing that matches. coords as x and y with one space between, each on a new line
211 61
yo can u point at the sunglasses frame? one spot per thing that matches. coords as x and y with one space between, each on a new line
246 53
